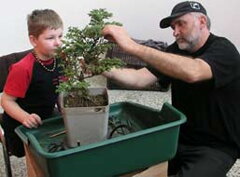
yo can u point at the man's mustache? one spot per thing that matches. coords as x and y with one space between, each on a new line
181 39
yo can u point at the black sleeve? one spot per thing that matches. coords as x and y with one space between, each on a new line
224 60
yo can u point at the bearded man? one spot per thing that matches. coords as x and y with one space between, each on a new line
203 70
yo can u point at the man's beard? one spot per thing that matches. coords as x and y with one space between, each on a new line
188 43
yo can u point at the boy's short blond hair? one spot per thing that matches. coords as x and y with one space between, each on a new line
40 20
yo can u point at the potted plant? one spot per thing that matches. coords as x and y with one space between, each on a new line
85 109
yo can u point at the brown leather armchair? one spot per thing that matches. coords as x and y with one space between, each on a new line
5 63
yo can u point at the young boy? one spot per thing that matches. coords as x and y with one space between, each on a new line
29 93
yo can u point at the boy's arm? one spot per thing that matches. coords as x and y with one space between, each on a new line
11 107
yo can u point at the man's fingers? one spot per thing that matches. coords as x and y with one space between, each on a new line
109 38
107 33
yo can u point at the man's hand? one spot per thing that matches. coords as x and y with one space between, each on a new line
32 121
119 35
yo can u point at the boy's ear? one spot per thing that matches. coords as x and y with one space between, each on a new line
33 40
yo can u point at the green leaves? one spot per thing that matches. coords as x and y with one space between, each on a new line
98 17
70 85
82 51
105 65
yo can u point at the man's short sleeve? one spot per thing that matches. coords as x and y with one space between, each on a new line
224 60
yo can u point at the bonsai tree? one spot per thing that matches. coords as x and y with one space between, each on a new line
82 56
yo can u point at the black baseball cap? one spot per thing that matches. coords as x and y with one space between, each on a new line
181 9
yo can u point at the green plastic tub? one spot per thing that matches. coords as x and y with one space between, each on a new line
153 140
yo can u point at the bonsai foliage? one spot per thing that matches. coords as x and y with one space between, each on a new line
82 54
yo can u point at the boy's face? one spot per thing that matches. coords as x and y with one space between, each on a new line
47 42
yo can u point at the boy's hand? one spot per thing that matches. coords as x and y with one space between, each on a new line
32 121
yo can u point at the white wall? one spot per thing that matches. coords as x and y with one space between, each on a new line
140 18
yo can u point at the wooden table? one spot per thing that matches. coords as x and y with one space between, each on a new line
159 170
33 169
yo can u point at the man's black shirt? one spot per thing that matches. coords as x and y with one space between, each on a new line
211 106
